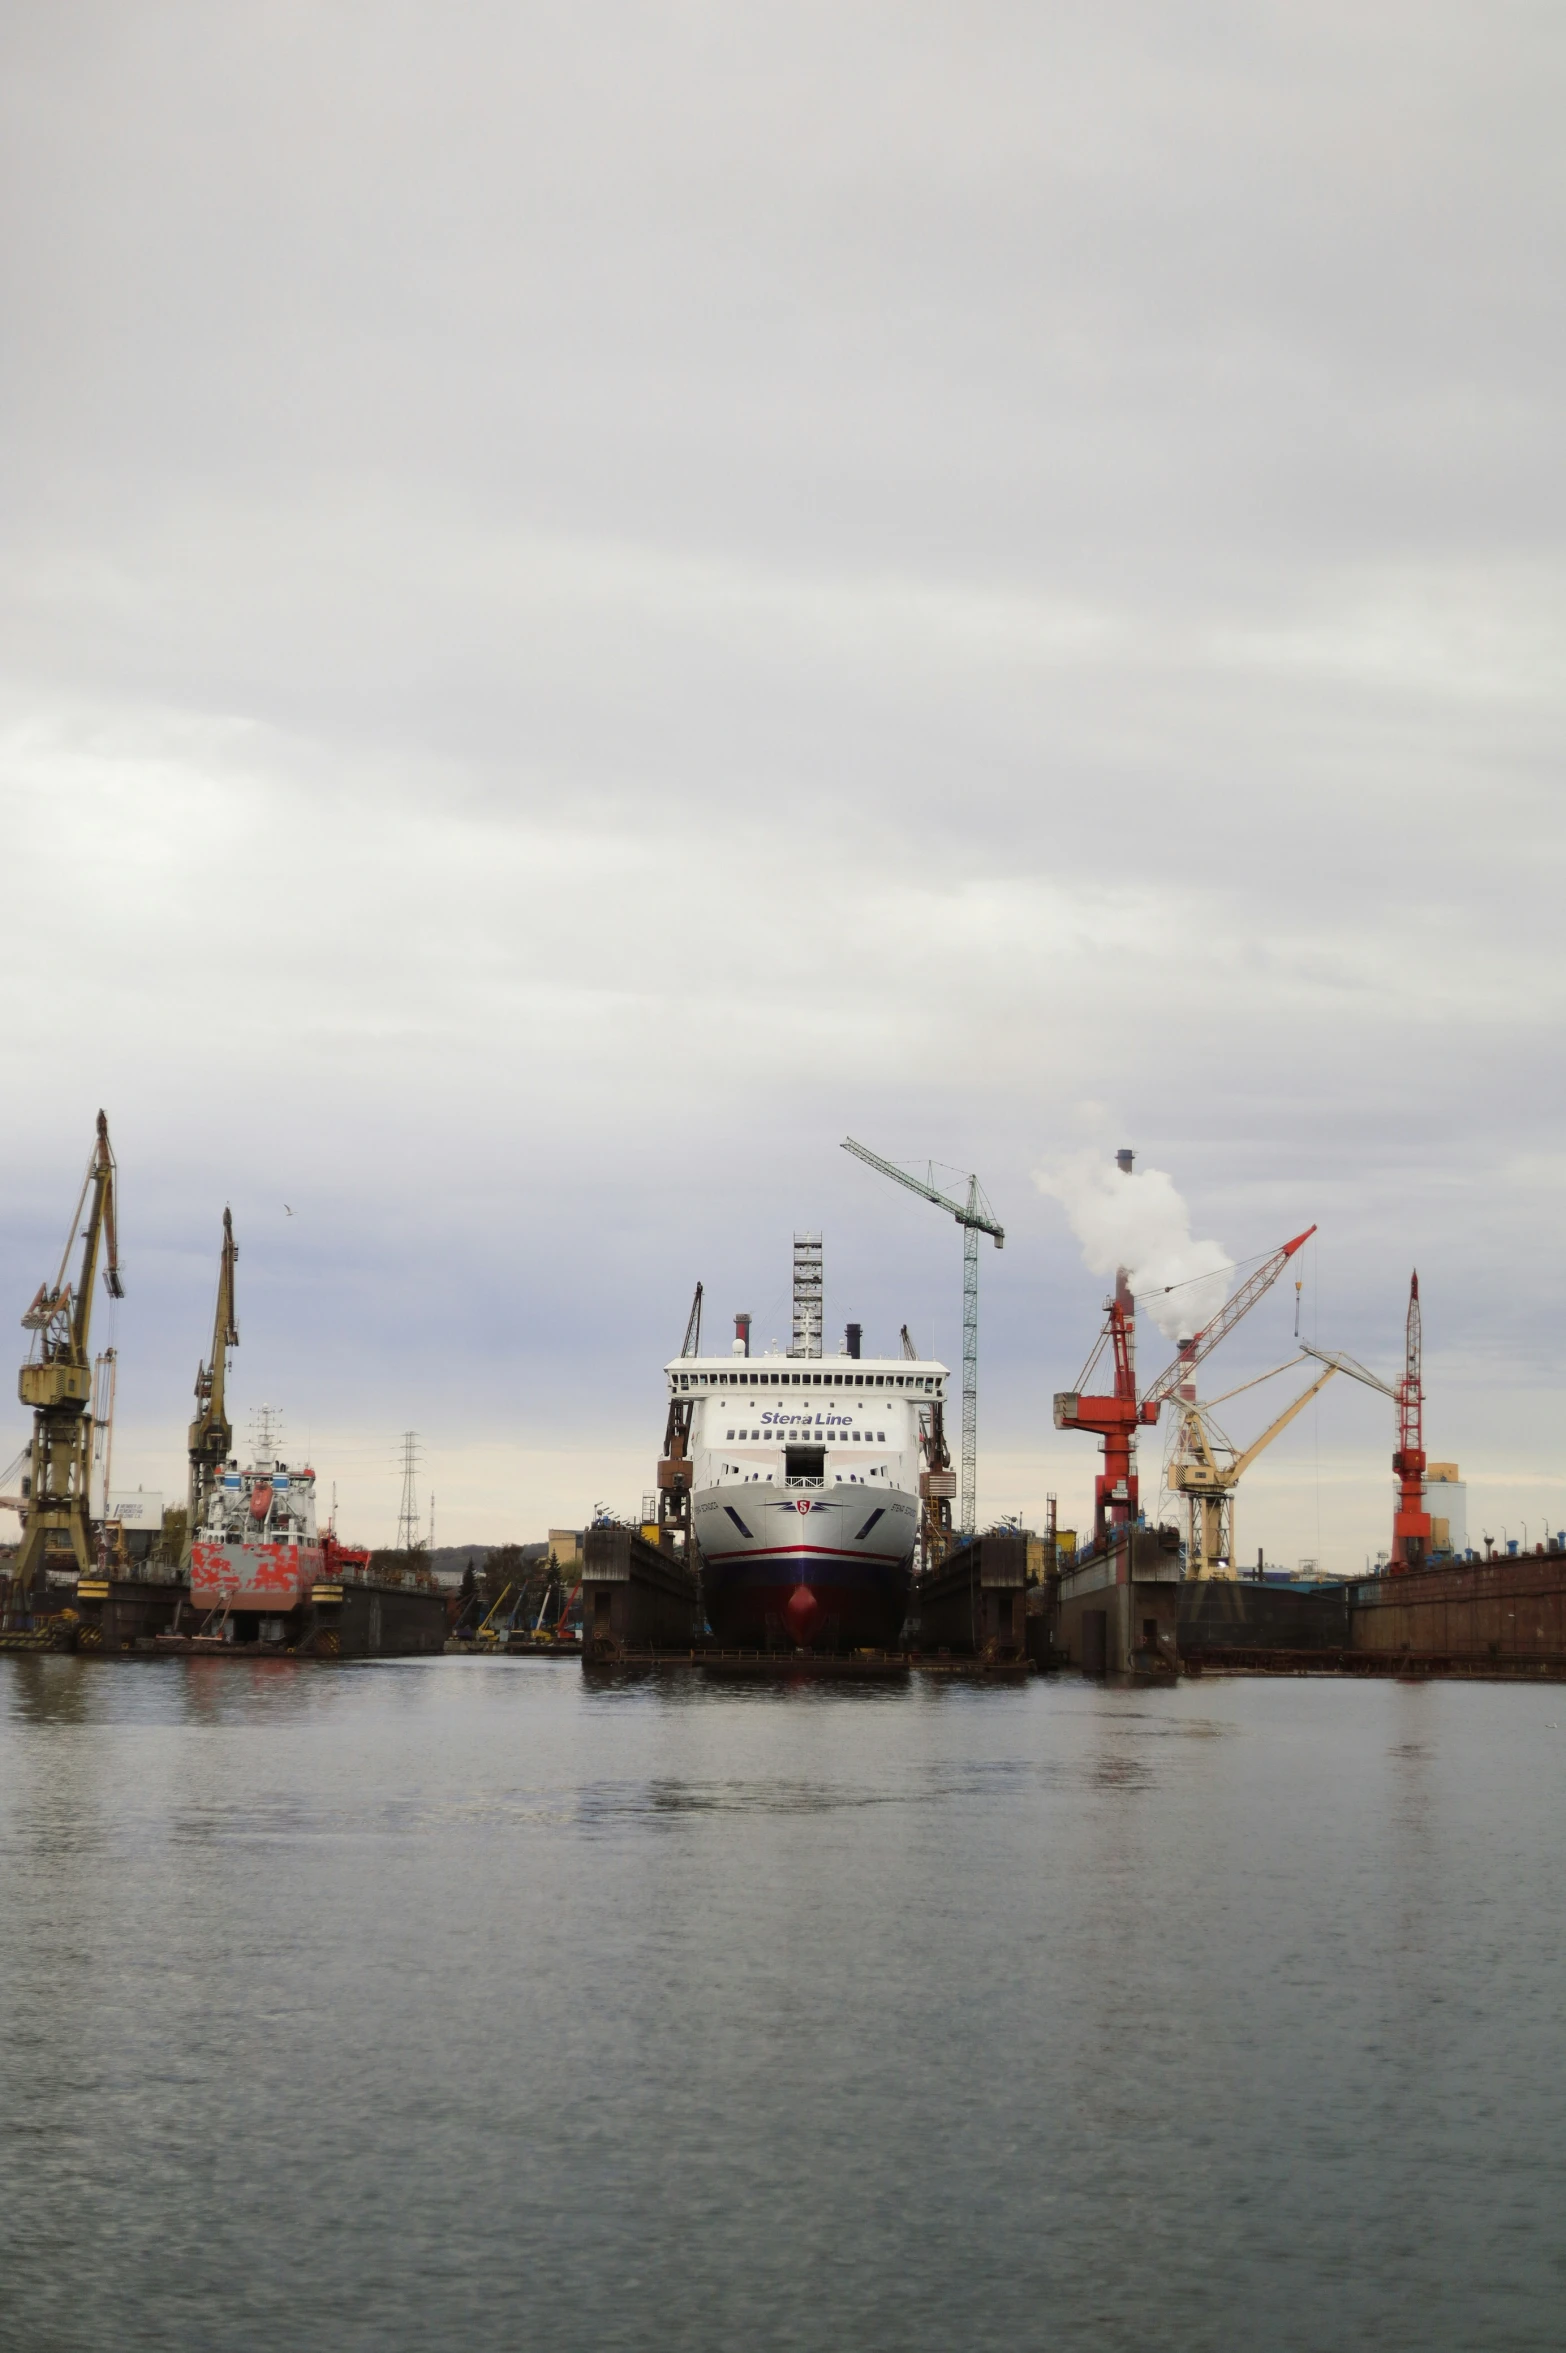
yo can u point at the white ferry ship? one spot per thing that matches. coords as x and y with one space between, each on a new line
805 1490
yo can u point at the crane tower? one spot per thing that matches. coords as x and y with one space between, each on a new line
1411 1521
975 1219
211 1436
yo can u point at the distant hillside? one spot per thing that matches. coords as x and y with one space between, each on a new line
449 1560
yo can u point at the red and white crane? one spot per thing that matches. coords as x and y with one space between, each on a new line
1411 1521
1114 1418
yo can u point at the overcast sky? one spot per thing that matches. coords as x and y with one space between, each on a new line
593 600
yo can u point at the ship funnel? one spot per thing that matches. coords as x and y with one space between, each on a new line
1125 1159
741 1335
855 1336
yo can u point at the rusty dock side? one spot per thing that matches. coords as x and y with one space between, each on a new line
1502 1619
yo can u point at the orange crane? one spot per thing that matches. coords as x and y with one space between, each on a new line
1115 1417
57 1381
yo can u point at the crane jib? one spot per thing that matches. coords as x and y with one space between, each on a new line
1233 1309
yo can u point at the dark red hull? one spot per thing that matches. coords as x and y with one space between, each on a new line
807 1601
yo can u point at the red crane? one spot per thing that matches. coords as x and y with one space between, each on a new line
1411 1521
1114 1418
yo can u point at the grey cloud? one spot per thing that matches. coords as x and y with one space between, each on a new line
591 602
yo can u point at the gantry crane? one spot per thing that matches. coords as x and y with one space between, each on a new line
1207 1482
211 1435
674 1468
1115 1417
56 1381
975 1219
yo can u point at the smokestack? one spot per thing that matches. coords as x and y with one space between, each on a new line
1124 1159
855 1335
742 1335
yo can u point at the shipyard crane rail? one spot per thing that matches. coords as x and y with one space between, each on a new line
57 1381
975 1218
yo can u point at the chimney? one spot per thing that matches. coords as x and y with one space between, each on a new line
855 1335
1124 1159
742 1335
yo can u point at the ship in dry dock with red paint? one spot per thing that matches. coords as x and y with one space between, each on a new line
257 1556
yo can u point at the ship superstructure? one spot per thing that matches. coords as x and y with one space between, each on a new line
805 1491
256 1548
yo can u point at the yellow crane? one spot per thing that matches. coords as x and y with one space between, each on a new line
56 1381
211 1435
1205 1468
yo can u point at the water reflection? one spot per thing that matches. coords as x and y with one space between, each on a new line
915 2018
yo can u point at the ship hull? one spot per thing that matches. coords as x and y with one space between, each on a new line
253 1576
821 1572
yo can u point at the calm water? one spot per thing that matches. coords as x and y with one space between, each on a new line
452 2004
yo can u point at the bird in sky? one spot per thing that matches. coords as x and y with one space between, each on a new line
287 1212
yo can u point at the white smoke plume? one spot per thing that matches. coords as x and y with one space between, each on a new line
1139 1221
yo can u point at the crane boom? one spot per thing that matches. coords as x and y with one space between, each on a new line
1208 1484
1238 1304
211 1434
1242 1463
1341 1362
674 1466
928 1191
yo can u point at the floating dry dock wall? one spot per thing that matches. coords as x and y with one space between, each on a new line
1225 1613
973 1602
1496 1617
1118 1609
358 1617
635 1596
1497 1613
